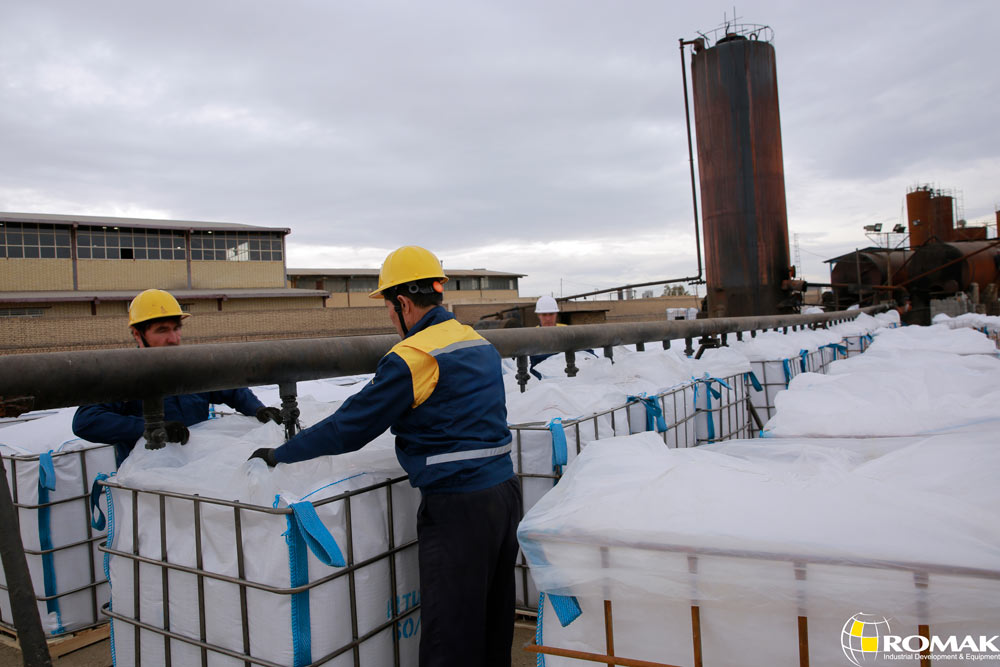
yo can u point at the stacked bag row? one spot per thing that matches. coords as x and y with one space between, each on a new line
875 494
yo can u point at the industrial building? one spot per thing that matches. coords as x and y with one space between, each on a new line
66 282
351 287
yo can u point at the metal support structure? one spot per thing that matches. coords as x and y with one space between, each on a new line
24 608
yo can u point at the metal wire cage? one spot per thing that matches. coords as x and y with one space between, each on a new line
198 580
669 632
51 494
539 463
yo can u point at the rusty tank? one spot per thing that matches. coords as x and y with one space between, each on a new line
941 269
742 176
930 215
868 268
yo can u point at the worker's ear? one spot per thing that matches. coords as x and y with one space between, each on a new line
137 336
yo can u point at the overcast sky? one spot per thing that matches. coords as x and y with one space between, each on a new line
539 137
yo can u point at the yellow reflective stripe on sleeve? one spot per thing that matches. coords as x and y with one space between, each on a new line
423 369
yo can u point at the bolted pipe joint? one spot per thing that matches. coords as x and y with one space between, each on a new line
522 376
289 408
571 369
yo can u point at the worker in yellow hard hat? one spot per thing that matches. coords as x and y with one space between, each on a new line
155 320
440 390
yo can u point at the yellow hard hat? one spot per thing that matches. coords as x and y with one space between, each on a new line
405 265
152 305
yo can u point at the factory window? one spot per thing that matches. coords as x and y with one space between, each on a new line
33 241
462 284
362 284
497 282
21 312
336 285
236 246
125 243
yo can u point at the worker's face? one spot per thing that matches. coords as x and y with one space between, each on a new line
547 319
160 334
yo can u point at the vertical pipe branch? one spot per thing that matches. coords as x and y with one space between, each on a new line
522 372
155 431
687 119
289 407
571 369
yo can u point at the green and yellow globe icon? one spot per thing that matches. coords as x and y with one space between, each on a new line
862 636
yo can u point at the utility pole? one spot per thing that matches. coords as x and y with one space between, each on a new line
798 257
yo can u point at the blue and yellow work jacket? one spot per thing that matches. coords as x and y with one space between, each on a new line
121 423
441 392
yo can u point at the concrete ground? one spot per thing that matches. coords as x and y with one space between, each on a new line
99 654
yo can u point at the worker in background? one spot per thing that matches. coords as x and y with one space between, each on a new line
547 310
155 319
440 390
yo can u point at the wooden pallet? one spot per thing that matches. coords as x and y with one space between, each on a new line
64 644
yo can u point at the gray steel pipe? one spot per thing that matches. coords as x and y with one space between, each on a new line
64 379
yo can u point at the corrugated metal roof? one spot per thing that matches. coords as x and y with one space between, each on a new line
103 221
180 295
457 273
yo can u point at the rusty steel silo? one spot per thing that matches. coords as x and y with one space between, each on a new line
919 215
742 174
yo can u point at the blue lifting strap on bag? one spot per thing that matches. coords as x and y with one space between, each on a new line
46 483
316 536
654 413
97 520
560 456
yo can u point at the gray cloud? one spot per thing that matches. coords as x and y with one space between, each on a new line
503 127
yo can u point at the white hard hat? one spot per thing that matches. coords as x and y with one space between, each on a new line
546 304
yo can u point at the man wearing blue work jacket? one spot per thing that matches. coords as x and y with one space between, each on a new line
155 320
441 392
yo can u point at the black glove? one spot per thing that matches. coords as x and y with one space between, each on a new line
266 414
176 432
265 454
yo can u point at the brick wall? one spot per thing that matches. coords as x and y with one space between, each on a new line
207 275
37 334
21 275
130 274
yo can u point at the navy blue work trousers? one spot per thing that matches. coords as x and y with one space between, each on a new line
467 547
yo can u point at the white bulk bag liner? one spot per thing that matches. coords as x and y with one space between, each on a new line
936 338
891 393
776 358
325 390
550 424
889 319
823 345
656 530
283 628
720 394
857 333
555 366
658 385
45 463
